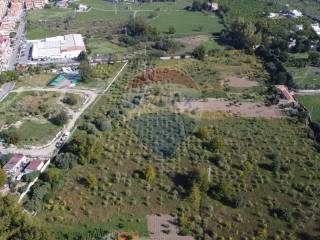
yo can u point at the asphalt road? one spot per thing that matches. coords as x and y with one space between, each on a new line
18 42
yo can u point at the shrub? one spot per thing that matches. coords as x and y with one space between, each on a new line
60 119
70 100
29 177
102 124
65 160
10 136
90 181
199 53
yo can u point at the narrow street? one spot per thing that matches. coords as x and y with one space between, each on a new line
18 42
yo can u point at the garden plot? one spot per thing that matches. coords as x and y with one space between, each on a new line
243 109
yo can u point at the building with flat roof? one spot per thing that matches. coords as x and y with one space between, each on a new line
60 47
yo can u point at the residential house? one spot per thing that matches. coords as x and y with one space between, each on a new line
15 164
285 93
34 165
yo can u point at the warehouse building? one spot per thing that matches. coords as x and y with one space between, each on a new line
60 47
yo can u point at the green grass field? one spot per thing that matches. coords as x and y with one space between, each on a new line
35 133
102 47
312 103
187 23
50 22
306 78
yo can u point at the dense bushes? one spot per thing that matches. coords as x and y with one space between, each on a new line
60 119
65 160
102 124
70 100
278 73
88 149
138 27
10 136
167 45
29 177
15 224
8 76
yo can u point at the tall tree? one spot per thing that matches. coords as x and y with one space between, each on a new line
3 178
85 71
243 35
15 224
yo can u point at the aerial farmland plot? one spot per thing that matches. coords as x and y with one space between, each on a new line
143 148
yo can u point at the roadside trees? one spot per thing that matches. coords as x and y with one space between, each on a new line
3 178
199 53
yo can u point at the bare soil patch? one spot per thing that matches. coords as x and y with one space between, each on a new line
244 109
240 82
193 40
164 227
163 75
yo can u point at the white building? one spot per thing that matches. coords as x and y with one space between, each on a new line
273 15
295 13
316 28
60 47
82 8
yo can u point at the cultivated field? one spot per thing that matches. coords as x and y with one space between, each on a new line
263 172
312 103
306 78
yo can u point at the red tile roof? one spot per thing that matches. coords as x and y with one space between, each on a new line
34 165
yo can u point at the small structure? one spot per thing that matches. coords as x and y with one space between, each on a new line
295 13
15 164
292 43
82 8
273 15
212 6
34 165
62 3
298 27
316 28
285 93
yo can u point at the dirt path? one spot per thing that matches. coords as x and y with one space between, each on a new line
245 109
